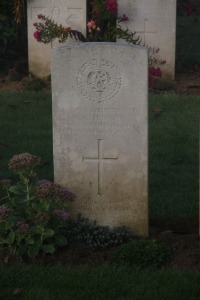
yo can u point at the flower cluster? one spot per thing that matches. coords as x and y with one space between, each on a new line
61 214
4 212
37 35
5 183
22 227
64 194
92 26
23 160
47 189
154 74
111 6
42 218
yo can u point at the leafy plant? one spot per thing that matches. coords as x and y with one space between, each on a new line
36 84
164 85
142 253
33 212
95 236
15 76
104 25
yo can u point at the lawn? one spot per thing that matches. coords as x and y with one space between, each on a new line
188 46
103 283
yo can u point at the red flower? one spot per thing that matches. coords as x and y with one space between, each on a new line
111 6
37 35
153 75
158 72
152 71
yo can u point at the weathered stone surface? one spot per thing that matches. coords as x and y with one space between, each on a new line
155 23
69 13
100 131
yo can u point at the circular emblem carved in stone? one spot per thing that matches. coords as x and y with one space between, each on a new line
99 80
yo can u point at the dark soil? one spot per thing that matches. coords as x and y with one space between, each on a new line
184 249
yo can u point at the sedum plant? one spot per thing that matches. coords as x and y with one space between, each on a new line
32 212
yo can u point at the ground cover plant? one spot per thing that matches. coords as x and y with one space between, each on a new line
142 253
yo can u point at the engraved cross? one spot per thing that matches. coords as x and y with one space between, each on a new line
100 160
145 30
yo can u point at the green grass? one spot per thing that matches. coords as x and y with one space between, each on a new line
103 283
173 189
187 40
26 126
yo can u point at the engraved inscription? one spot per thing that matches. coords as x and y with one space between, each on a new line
99 80
85 120
100 159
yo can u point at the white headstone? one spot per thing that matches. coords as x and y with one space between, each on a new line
155 22
100 131
69 13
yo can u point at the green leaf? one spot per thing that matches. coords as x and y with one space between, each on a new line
2 241
48 249
37 229
3 228
36 206
10 238
34 250
47 233
16 190
60 240
29 241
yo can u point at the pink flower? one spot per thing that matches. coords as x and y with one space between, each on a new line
124 18
111 6
91 24
37 35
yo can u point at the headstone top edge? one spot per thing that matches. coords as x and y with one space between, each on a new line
94 44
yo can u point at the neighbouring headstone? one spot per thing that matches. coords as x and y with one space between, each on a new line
155 22
100 129
70 13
